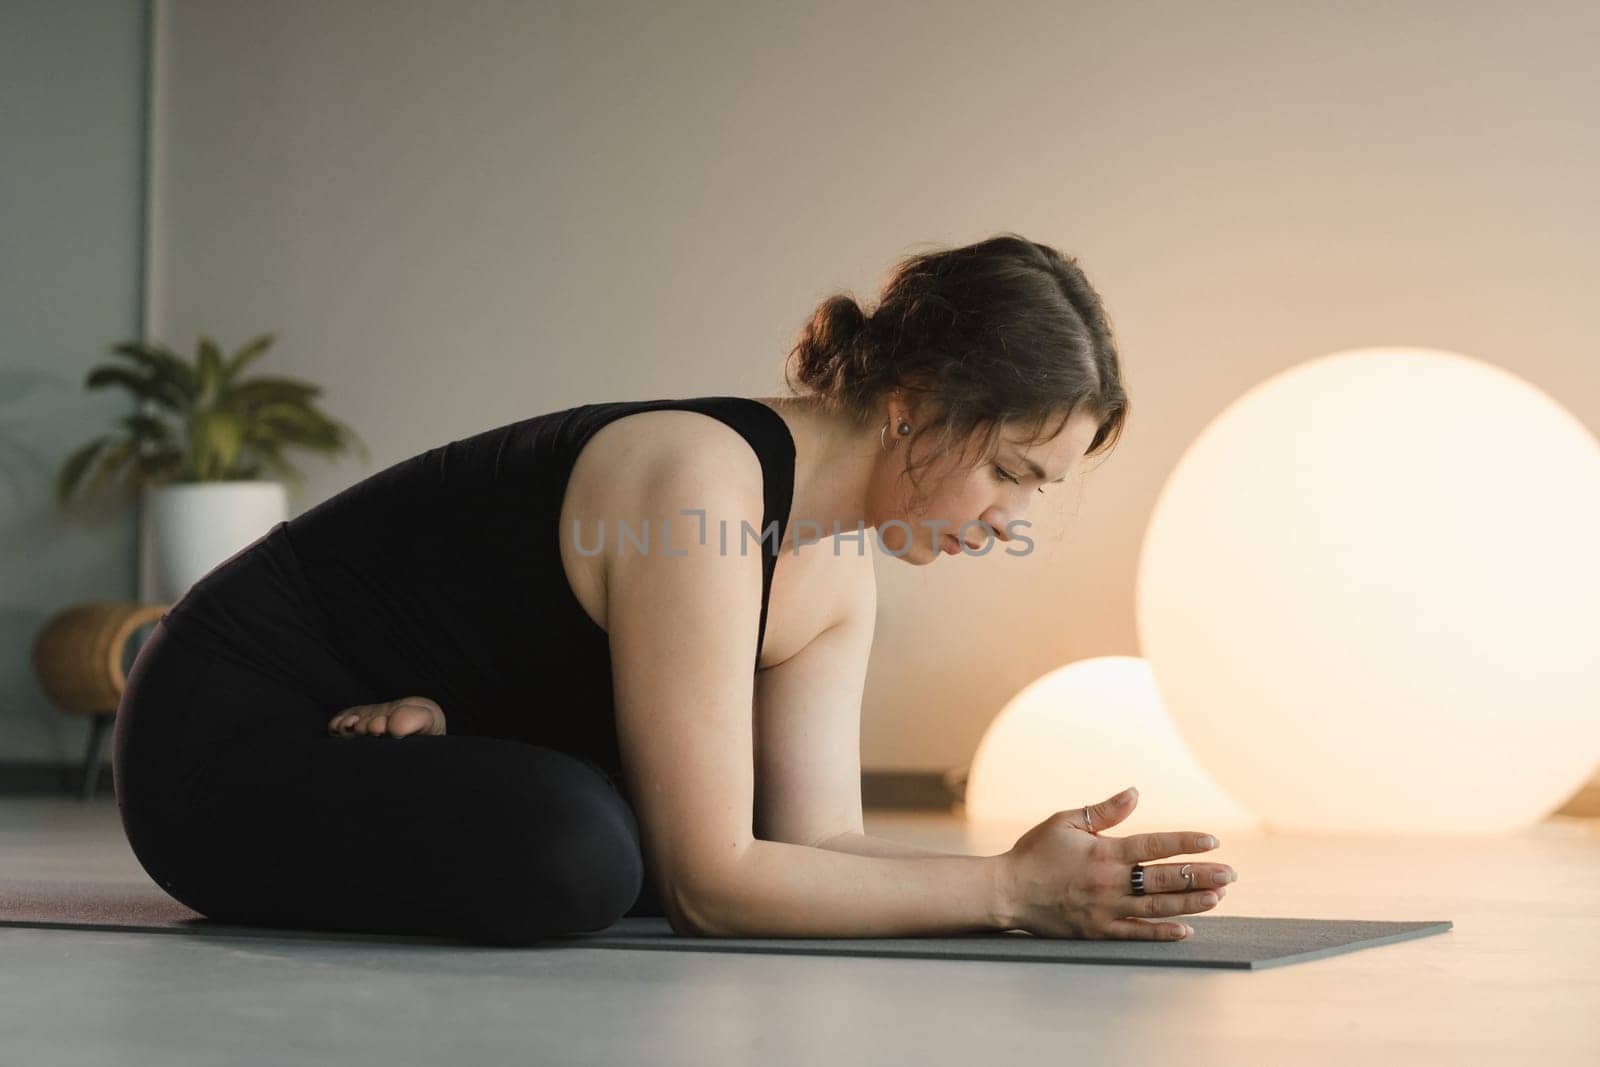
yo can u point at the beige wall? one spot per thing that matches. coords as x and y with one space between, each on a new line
461 214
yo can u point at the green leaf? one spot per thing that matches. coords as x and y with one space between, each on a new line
166 465
283 470
299 425
210 371
72 470
102 376
157 390
116 457
215 438
264 390
291 411
164 365
349 438
248 353
148 428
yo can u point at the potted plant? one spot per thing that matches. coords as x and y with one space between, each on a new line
198 450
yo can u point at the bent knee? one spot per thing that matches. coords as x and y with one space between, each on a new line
580 881
575 899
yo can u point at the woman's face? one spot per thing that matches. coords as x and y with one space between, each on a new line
995 494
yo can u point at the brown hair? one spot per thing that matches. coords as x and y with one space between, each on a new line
1006 330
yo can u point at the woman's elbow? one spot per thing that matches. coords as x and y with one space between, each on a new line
693 904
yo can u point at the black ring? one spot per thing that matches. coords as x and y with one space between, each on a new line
1137 879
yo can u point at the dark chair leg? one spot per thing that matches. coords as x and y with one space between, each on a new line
91 758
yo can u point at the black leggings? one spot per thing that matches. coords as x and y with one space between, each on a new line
241 806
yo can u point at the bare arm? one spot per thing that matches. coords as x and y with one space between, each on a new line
683 630
808 782
867 845
782 890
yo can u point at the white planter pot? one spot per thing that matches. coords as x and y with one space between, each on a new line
188 528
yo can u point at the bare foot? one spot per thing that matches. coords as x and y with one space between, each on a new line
394 718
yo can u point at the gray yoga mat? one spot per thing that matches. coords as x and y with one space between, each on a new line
1238 942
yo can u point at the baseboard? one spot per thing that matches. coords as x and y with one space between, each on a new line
893 790
907 791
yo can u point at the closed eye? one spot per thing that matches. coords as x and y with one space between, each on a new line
1006 475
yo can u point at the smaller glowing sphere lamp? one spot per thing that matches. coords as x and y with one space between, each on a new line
1370 594
1079 735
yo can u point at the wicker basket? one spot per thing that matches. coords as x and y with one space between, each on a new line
78 653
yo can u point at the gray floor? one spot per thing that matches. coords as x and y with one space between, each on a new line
1516 981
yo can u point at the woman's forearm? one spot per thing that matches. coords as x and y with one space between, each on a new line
867 845
774 889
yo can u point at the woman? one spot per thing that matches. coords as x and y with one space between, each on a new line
524 683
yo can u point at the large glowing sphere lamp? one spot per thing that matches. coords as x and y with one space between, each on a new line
1370 596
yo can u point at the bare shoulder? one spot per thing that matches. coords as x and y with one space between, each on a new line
631 454
686 473
651 466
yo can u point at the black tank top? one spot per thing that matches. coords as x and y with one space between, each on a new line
441 576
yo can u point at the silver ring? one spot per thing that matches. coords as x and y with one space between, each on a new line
1088 823
1187 871
1136 877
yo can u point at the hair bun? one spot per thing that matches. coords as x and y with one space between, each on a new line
834 346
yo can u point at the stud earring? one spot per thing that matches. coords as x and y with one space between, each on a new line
903 429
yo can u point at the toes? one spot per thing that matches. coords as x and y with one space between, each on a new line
409 720
417 715
396 720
